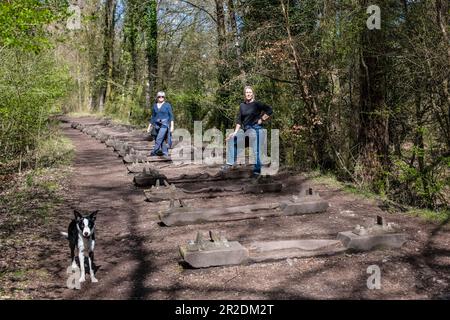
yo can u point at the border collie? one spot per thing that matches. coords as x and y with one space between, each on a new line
81 234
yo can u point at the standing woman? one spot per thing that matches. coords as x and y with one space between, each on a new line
162 121
251 115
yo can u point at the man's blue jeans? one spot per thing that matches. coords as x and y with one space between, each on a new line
160 142
232 147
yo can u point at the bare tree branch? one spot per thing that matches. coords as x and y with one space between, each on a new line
200 8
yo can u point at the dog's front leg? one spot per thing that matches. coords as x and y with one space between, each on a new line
91 264
83 271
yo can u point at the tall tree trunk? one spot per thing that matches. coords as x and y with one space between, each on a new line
373 134
108 52
235 36
442 8
420 149
221 39
223 78
151 35
314 120
130 36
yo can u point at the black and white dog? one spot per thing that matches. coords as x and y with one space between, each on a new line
81 234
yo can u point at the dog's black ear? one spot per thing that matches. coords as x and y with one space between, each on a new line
93 215
77 214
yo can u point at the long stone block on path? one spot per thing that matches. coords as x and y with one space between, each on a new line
135 158
306 204
80 125
136 145
110 142
218 251
140 167
371 241
142 152
102 136
185 215
149 178
119 145
234 254
241 173
277 250
90 130
171 193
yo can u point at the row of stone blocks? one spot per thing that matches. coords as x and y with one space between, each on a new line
168 192
218 251
132 146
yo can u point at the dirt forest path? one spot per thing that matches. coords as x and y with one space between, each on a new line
139 258
100 183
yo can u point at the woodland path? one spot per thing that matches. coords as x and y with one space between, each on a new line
139 258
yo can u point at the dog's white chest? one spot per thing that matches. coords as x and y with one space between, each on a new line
85 245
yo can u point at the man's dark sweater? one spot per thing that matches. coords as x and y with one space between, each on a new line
250 113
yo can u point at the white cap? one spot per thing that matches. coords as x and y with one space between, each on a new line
161 94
